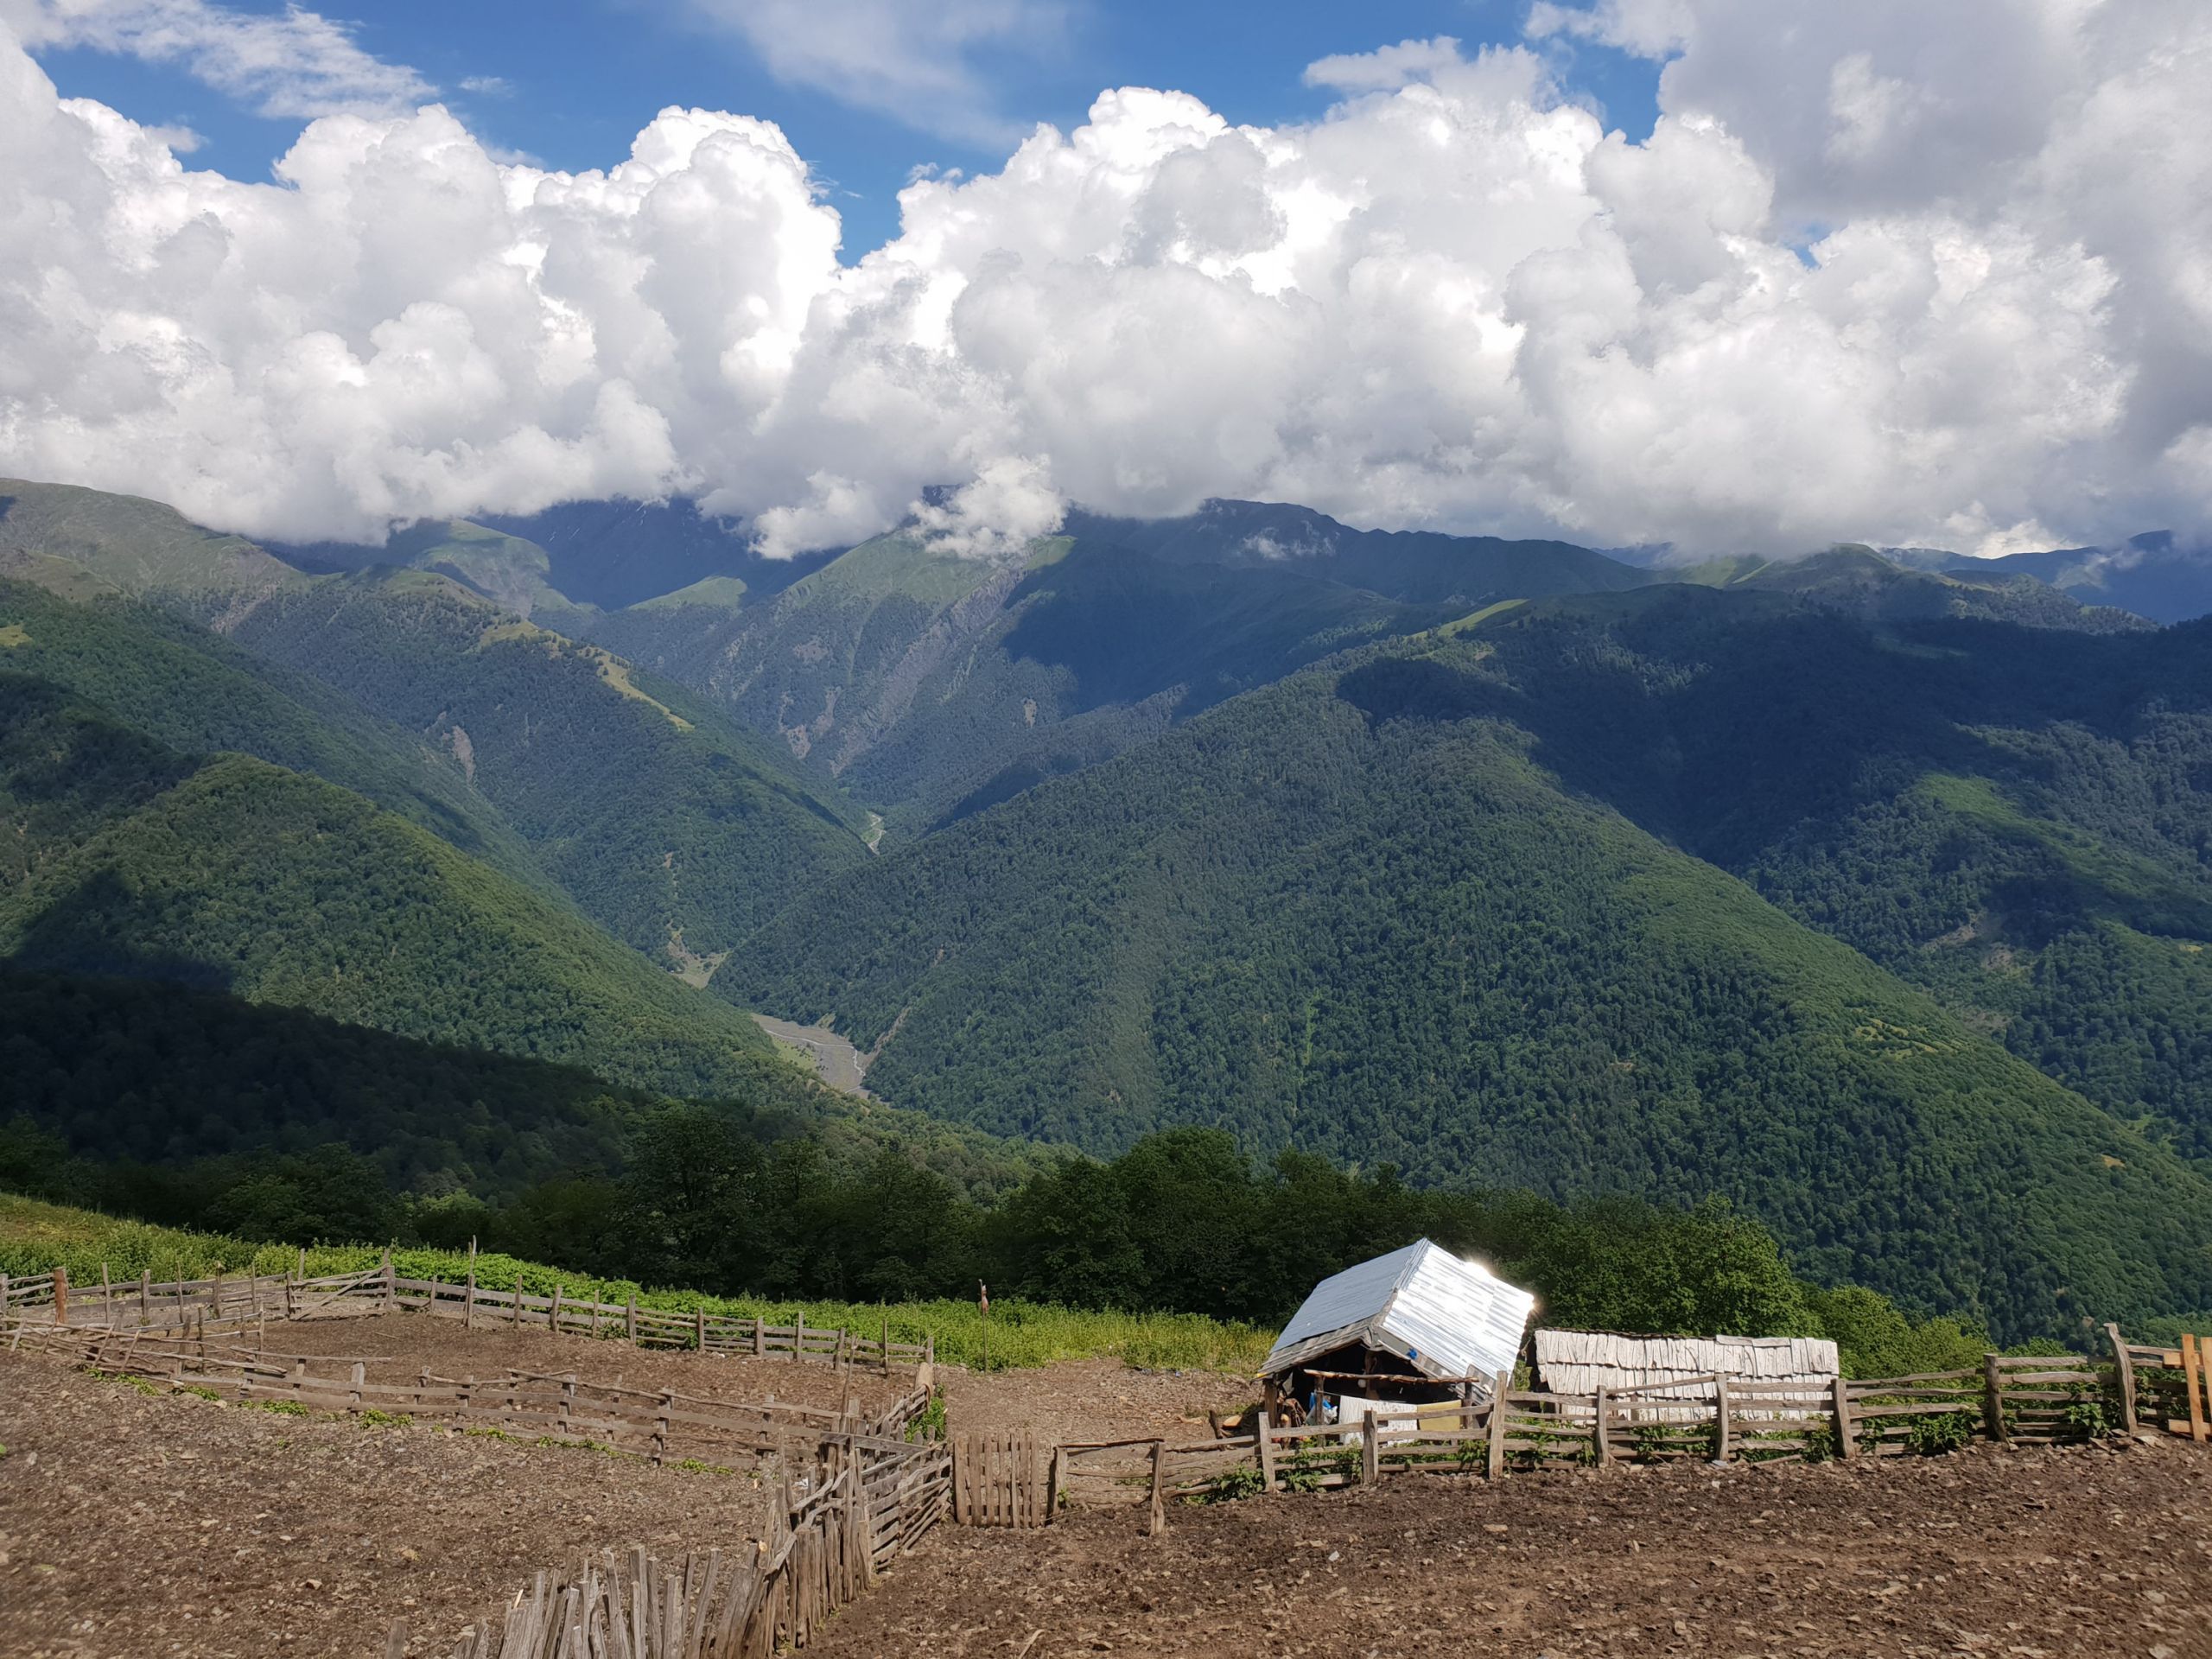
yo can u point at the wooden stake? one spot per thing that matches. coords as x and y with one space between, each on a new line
1598 1437
1057 1474
633 1317
1266 1451
468 1305
2124 1365
1156 1521
1723 1442
798 1337
107 1298
699 1317
1499 1384
61 1295
1843 1446
1992 1399
2192 1371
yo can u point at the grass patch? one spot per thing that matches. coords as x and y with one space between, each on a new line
37 1238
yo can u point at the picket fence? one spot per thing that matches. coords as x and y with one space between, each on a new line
228 1305
866 1503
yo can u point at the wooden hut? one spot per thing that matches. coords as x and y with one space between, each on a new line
1418 1325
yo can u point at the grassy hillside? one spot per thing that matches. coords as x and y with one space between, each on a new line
128 857
133 546
673 828
37 1237
1359 912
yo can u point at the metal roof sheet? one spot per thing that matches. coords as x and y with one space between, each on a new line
1446 1317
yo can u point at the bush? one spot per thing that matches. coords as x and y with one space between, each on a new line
1933 1436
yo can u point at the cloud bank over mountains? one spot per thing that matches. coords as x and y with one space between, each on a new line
1894 273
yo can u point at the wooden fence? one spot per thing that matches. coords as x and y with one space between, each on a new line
2022 1400
1000 1481
866 1502
231 1303
2168 1389
560 1408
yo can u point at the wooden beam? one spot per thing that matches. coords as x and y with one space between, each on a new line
1724 1431
1992 1398
2192 1371
1843 1426
1156 1520
2124 1365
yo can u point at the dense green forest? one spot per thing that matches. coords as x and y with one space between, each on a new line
1182 1221
1374 912
2019 828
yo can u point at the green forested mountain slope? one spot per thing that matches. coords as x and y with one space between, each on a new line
1359 910
932 684
190 690
675 829
127 857
2019 822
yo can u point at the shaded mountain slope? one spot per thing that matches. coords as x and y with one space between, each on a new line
127 857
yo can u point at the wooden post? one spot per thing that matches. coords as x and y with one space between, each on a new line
632 1326
145 1295
660 1425
1992 1399
61 1297
107 1298
798 1337
2192 1371
353 1400
291 1306
391 1288
883 1348
760 1336
555 1316
1156 1521
1496 1461
2123 1366
1598 1437
1370 1452
468 1306
1843 1447
699 1321
1267 1449
1054 1478
514 1307
1723 1441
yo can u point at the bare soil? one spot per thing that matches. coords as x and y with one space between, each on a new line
139 1526
1991 1551
1089 1400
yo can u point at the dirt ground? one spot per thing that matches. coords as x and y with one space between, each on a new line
1991 1551
138 1526
399 1345
1089 1400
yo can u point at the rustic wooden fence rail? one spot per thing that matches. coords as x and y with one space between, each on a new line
2028 1399
662 1424
230 1303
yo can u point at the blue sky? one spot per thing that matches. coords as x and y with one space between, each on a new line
569 85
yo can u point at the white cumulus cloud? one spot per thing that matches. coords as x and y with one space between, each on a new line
1845 289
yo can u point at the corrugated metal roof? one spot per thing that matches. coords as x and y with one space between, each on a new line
1445 1317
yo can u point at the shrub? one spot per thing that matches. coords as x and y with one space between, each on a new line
1933 1436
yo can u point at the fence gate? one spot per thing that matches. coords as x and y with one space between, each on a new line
999 1480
